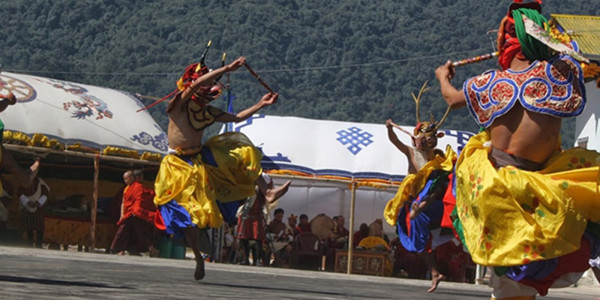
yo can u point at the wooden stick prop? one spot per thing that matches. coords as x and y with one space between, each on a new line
157 100
474 59
258 78
401 129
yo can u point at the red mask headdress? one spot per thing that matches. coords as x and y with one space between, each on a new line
195 71
191 73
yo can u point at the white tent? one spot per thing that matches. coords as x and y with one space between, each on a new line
73 113
329 156
587 125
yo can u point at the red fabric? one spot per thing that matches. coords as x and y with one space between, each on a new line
453 261
159 223
133 235
357 237
412 263
449 204
339 233
138 201
251 224
577 261
509 45
407 217
304 227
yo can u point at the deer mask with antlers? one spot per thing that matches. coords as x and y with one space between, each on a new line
426 133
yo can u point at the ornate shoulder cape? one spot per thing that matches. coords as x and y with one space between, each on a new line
553 87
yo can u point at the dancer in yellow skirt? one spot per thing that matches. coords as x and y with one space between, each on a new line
194 176
418 208
524 204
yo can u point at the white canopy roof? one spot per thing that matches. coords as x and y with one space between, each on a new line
334 148
73 113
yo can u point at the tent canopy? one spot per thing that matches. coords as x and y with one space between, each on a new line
333 148
69 113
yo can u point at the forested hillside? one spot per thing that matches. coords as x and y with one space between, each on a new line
349 60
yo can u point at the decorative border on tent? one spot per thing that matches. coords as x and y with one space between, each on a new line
40 140
366 178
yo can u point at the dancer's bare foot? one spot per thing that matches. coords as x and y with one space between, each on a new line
435 281
275 193
199 273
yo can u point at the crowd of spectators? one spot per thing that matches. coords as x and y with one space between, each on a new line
277 239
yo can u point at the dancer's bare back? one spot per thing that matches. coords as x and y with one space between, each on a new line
526 134
520 132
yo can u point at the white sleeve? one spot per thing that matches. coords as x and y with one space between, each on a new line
24 200
42 200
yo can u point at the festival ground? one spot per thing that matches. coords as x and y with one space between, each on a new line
36 273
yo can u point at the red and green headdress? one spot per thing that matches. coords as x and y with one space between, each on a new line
513 41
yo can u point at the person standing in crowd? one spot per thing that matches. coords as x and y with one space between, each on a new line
251 225
32 199
136 224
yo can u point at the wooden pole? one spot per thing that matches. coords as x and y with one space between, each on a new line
350 234
94 209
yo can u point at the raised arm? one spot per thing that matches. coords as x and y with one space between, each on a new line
454 98
211 76
266 100
394 138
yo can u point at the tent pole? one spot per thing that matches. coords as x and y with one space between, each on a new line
351 233
94 209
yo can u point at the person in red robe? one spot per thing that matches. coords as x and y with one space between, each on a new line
136 225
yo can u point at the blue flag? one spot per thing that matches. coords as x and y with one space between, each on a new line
229 97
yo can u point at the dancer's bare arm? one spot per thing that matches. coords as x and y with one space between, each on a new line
266 100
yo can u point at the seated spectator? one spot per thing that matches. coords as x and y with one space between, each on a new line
339 236
337 240
292 228
304 225
376 242
362 233
279 240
